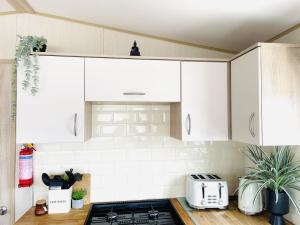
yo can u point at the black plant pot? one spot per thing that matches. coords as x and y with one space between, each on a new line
278 209
43 49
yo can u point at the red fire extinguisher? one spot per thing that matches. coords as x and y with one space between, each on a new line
25 165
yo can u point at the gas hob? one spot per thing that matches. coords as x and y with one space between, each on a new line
156 212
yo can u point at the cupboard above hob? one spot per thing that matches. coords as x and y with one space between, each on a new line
61 110
252 98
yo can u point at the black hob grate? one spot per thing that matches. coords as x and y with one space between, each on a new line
156 212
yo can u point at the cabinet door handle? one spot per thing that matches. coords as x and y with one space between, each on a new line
188 124
75 124
251 124
134 93
3 210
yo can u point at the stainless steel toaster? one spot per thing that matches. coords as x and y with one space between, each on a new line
206 191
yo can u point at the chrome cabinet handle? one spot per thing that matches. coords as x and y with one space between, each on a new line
251 124
75 124
3 210
188 125
134 93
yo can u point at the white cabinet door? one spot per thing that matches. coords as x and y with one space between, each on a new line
132 80
204 103
246 98
56 112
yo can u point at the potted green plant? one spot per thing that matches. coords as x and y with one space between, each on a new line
27 46
279 174
77 198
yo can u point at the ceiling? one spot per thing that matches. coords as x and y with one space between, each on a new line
230 24
5 6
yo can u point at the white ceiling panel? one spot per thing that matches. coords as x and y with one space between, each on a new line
5 7
230 24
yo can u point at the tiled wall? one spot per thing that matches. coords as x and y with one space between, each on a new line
131 156
131 120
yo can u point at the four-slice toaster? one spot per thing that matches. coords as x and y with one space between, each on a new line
206 191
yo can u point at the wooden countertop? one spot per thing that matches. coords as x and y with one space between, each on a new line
232 216
74 217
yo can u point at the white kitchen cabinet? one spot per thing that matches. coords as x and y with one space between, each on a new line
245 97
203 112
265 85
132 80
56 112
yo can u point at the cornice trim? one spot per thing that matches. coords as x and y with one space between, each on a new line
8 13
21 6
280 35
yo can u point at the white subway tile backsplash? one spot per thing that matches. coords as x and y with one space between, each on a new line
102 168
110 108
147 120
112 155
188 153
144 117
161 107
138 129
138 107
104 117
161 117
163 154
138 154
112 130
160 129
131 156
121 117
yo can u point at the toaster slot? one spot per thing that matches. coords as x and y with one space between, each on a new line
201 177
216 176
211 177
195 177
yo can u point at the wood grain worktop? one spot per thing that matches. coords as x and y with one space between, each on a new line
231 216
74 217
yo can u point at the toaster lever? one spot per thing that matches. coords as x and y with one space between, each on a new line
220 190
203 190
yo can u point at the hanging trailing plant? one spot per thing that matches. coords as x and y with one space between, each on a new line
28 45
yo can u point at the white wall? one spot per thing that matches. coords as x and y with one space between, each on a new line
125 158
8 36
72 37
293 38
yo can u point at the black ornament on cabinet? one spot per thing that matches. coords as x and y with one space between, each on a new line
135 50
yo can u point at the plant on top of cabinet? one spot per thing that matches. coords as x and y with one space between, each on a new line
279 173
27 45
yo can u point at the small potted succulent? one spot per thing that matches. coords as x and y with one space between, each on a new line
77 198
27 46
279 174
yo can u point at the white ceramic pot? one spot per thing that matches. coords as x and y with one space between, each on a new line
246 204
77 204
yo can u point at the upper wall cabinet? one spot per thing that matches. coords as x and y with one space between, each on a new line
56 112
265 84
132 80
203 113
